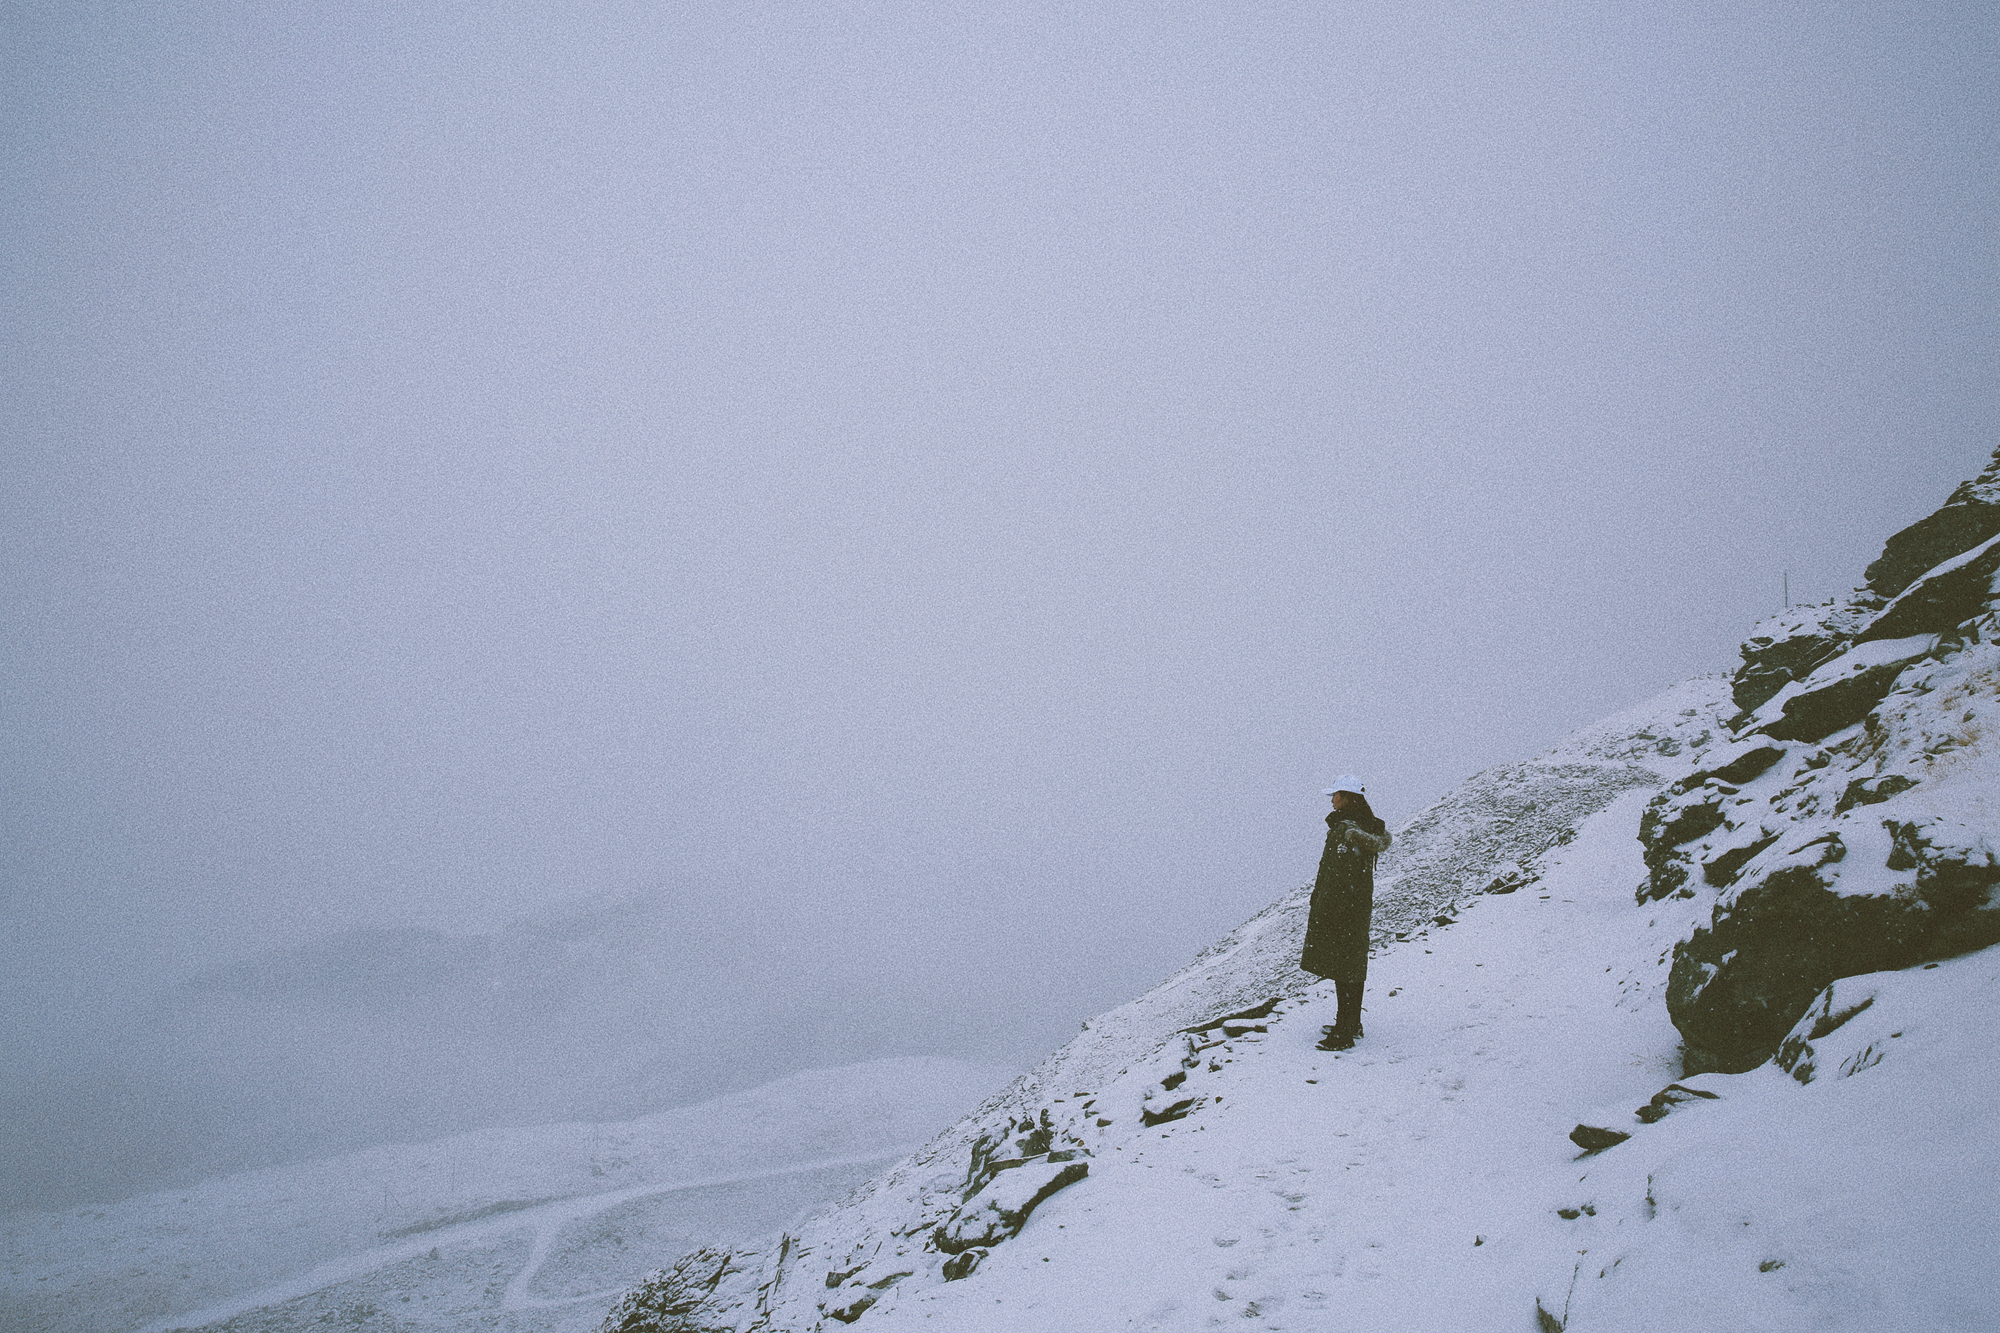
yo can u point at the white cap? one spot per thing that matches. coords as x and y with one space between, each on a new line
1347 782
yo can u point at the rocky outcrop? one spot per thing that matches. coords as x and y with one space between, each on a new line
1840 692
1789 646
1843 830
1970 516
1001 1208
679 1298
1947 596
1931 577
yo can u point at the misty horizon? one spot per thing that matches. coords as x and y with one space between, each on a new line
923 501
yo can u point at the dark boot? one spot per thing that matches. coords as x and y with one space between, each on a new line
1347 1021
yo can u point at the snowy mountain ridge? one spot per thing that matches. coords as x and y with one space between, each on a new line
1784 878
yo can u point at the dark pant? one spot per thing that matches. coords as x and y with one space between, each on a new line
1348 1019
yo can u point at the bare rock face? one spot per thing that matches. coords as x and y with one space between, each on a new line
1787 647
1739 984
1840 692
1829 828
1946 596
1969 517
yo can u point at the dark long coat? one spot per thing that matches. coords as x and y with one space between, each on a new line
1344 898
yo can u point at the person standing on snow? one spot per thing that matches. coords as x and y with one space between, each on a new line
1343 901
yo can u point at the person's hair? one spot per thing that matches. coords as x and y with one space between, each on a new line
1360 801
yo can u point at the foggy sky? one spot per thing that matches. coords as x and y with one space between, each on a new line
914 478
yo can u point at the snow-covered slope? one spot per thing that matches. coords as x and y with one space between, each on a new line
1522 1139
540 1227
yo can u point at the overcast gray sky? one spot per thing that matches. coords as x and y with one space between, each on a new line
916 476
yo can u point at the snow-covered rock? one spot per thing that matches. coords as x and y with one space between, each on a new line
1525 1137
1967 518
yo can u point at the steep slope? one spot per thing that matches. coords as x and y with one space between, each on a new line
1785 878
1117 1080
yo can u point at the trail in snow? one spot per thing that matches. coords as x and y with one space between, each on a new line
547 1222
1425 1179
1313 1186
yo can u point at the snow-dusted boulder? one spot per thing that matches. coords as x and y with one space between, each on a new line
1002 1207
1840 693
1944 598
1862 895
1788 646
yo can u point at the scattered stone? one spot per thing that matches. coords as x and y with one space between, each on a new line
1596 1138
961 1264
1666 1099
1873 791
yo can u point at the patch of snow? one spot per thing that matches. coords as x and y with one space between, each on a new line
545 1223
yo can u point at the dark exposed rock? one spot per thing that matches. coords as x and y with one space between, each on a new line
961 1264
1827 1014
1722 869
1740 763
1739 984
1678 815
1666 1099
1795 643
1241 1016
1969 517
1002 1207
1683 813
850 1306
1956 876
1842 692
1871 791
1954 592
1596 1138
1018 1142
1177 1111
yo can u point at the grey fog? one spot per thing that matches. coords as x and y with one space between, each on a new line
566 560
